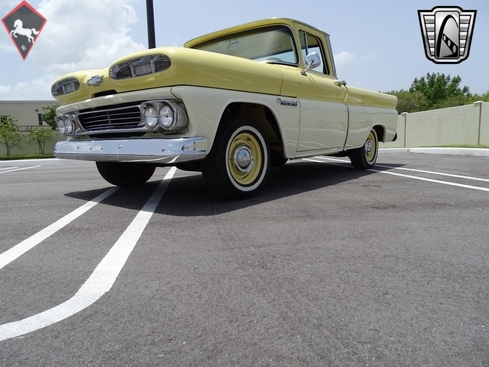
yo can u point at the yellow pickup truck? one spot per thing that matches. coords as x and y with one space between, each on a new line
228 104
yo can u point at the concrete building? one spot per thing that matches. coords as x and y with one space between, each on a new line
27 113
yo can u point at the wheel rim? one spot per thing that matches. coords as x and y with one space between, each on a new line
370 147
245 158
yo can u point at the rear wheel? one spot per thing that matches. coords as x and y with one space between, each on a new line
125 174
238 164
366 156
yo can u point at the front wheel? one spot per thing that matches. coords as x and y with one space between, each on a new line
125 174
238 164
366 156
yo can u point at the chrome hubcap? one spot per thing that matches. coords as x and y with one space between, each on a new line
368 146
243 159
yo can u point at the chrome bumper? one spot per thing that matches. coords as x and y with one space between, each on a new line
164 151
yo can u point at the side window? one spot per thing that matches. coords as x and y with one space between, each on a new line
310 44
39 119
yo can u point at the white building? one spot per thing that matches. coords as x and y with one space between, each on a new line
28 115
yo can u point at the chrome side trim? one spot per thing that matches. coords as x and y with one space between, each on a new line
164 151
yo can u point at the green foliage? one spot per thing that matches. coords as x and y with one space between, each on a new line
410 101
478 146
435 91
440 90
49 115
10 136
479 97
40 136
25 156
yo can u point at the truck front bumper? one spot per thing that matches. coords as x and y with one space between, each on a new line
159 151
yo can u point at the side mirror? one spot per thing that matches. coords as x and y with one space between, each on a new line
312 61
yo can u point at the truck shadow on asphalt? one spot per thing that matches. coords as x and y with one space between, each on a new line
188 195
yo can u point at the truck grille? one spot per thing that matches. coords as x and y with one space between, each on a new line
117 118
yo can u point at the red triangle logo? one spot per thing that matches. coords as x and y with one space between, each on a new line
24 25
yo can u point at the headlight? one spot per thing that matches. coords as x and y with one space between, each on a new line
140 66
69 126
65 86
166 115
61 125
66 125
151 116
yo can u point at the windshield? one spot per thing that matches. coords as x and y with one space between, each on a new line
269 44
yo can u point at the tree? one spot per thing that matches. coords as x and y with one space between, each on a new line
441 90
10 136
41 136
479 97
409 101
49 115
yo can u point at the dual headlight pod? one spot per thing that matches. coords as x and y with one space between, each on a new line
66 124
165 115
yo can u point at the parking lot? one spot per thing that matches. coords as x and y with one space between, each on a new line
329 266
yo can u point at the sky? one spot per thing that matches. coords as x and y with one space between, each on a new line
377 44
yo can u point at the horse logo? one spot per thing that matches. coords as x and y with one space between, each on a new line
19 29
26 22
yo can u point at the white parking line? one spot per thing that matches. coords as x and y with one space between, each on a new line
435 173
13 169
18 250
102 278
343 163
434 181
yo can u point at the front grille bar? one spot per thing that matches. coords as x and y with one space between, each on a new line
125 117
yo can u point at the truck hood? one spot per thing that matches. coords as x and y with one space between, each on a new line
188 67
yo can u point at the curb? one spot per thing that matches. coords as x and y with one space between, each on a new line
43 161
476 152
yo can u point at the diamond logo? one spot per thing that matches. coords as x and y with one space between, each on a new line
24 25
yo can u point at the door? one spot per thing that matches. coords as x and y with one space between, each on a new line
324 114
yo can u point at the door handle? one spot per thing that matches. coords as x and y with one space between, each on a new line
340 83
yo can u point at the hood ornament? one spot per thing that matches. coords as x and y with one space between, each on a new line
95 80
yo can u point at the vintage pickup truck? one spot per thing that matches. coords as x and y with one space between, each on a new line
228 104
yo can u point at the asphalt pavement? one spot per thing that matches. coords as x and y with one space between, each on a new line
329 266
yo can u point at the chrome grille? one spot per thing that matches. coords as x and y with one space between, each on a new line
117 118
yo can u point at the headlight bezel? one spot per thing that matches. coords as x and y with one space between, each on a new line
66 124
179 118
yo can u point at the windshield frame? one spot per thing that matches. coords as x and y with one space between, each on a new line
270 44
